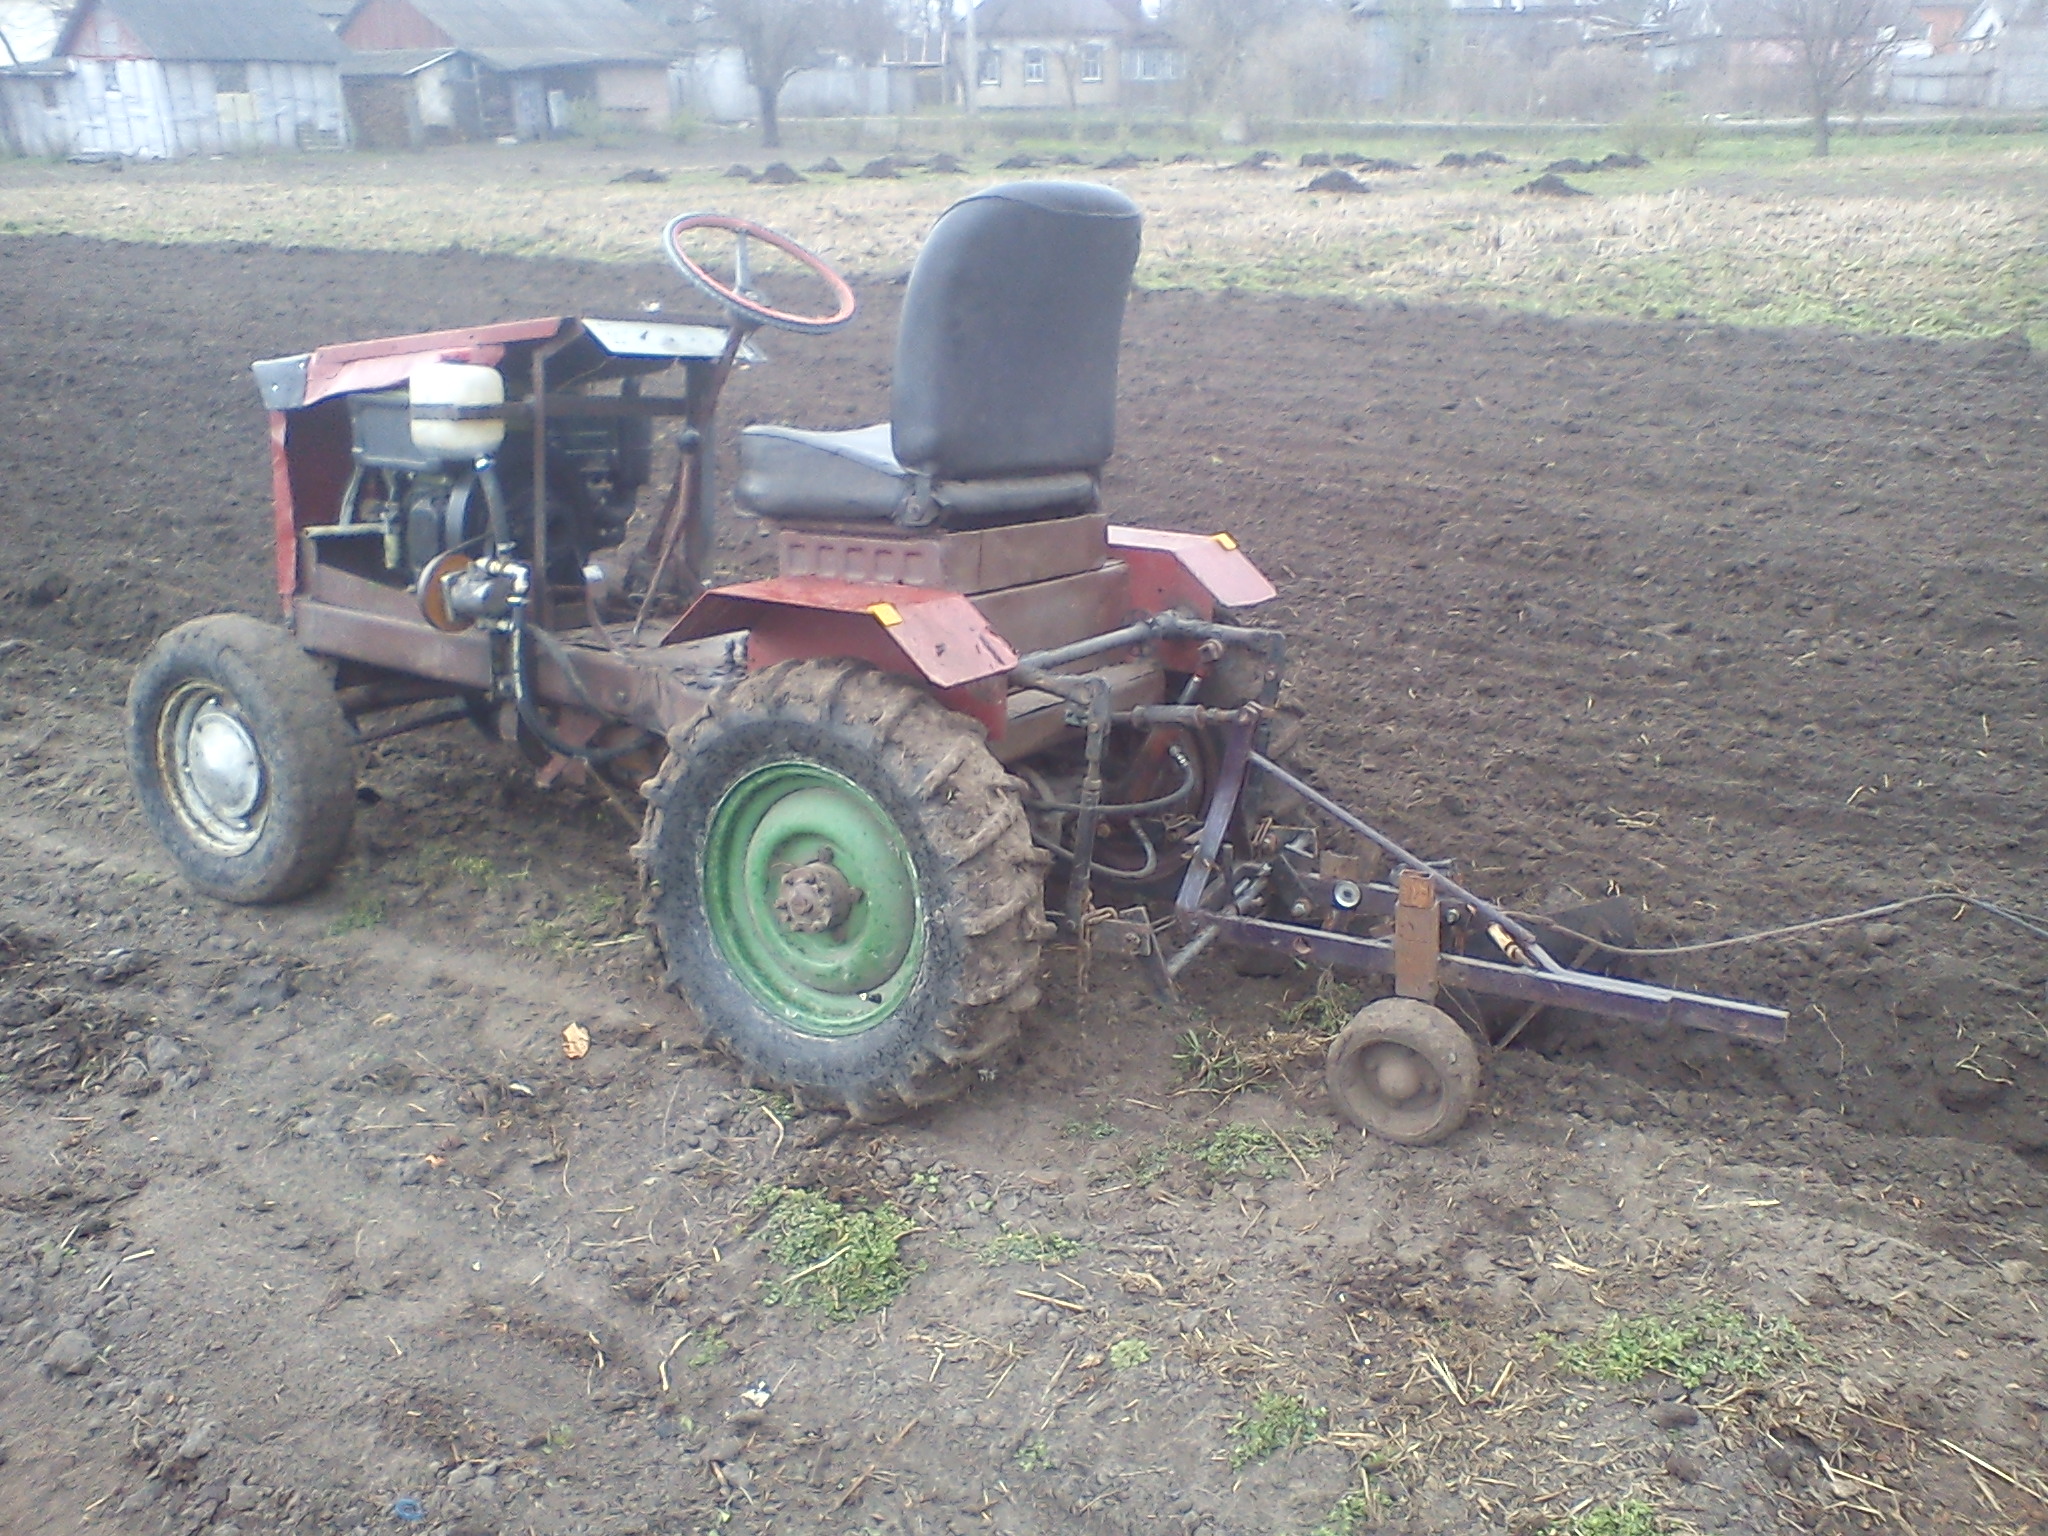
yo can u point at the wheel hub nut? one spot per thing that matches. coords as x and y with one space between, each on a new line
814 898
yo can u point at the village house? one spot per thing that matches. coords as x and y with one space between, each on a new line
426 70
1071 55
160 79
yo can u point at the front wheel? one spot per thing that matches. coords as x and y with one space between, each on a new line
243 762
843 885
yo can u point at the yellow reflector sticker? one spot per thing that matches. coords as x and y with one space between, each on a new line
1225 540
886 612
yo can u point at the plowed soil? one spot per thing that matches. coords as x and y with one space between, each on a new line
303 1212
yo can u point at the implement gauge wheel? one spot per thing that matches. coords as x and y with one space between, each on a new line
844 887
1403 1070
243 762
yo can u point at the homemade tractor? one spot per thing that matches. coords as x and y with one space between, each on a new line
966 697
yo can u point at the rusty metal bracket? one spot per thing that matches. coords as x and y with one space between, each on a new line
1418 933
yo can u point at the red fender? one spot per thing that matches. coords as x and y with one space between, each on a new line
1195 571
938 637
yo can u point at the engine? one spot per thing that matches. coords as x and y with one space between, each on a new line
428 501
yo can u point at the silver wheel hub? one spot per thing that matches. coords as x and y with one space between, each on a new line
214 770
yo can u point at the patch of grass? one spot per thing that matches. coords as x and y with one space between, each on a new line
442 861
1045 1249
1277 1422
925 1182
1208 1058
1348 1516
1631 1517
363 911
1690 1347
710 1348
1933 235
841 1262
1098 1129
1142 1165
1326 1010
1242 1148
1033 1456
773 1101
551 938
1129 1354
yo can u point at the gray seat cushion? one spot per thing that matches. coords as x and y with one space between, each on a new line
788 473
851 476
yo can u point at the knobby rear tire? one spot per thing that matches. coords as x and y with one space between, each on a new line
979 883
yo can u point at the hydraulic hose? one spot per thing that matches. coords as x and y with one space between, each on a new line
529 710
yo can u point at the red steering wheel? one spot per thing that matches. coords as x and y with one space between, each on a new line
744 304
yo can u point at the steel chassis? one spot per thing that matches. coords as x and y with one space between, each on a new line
656 686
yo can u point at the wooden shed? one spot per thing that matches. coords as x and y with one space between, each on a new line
512 68
160 79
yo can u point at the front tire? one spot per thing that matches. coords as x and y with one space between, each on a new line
843 885
243 762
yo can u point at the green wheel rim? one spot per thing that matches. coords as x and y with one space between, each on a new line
845 979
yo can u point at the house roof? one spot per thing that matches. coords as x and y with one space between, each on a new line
1057 18
547 31
392 63
275 31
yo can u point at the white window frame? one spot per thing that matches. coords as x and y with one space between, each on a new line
1092 58
991 67
1034 66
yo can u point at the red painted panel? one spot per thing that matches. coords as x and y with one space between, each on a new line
1169 570
800 634
389 361
309 470
941 634
392 24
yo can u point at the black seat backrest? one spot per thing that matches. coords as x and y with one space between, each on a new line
1006 359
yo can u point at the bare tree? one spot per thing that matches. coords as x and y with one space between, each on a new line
780 37
1218 36
1837 46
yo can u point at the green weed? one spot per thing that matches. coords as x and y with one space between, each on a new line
1277 1422
1326 1010
559 1440
1241 1148
1209 1059
1631 1517
841 1262
363 911
1098 1129
1033 1456
710 1348
442 861
551 939
1146 1165
1044 1249
1691 1347
925 1182
1129 1354
1348 1516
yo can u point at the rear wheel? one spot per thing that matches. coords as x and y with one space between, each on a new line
243 763
844 886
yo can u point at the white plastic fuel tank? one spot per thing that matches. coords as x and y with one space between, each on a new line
458 384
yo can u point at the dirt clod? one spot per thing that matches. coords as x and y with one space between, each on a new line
1550 184
70 1353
